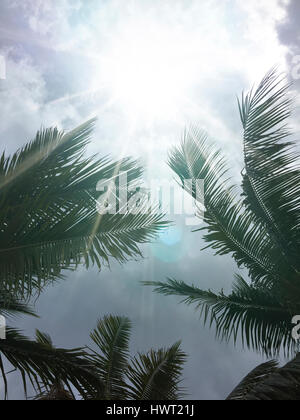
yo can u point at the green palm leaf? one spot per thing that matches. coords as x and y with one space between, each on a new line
271 180
106 374
270 383
254 314
259 227
49 220
11 306
112 339
41 365
255 377
157 374
231 228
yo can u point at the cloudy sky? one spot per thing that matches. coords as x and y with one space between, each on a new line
146 69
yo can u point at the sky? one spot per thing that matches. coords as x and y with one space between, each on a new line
146 69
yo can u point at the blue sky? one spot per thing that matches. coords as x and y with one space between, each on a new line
146 69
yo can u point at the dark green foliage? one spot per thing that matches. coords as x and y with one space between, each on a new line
49 220
155 375
269 382
43 365
112 339
259 227
106 374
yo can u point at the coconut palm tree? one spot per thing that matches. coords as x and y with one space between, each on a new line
49 220
106 374
258 225
155 375
270 382
43 366
39 362
110 373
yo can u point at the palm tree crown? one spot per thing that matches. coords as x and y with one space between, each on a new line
270 382
49 220
109 373
259 227
155 375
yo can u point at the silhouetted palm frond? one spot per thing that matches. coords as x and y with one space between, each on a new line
42 365
269 382
112 339
252 313
154 375
260 227
11 306
157 374
49 219
271 180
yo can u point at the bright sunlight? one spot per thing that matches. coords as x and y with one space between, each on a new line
148 73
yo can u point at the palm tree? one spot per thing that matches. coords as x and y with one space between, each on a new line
44 366
49 220
106 374
155 375
270 382
110 374
40 363
258 226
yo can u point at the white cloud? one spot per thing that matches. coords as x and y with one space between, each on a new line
229 45
23 104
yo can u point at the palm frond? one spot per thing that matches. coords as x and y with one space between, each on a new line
259 227
271 180
49 220
12 306
255 314
230 227
157 374
255 377
43 339
42 365
56 393
268 382
112 339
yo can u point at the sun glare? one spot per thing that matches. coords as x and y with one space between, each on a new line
147 75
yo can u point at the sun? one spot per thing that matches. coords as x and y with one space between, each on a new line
146 73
